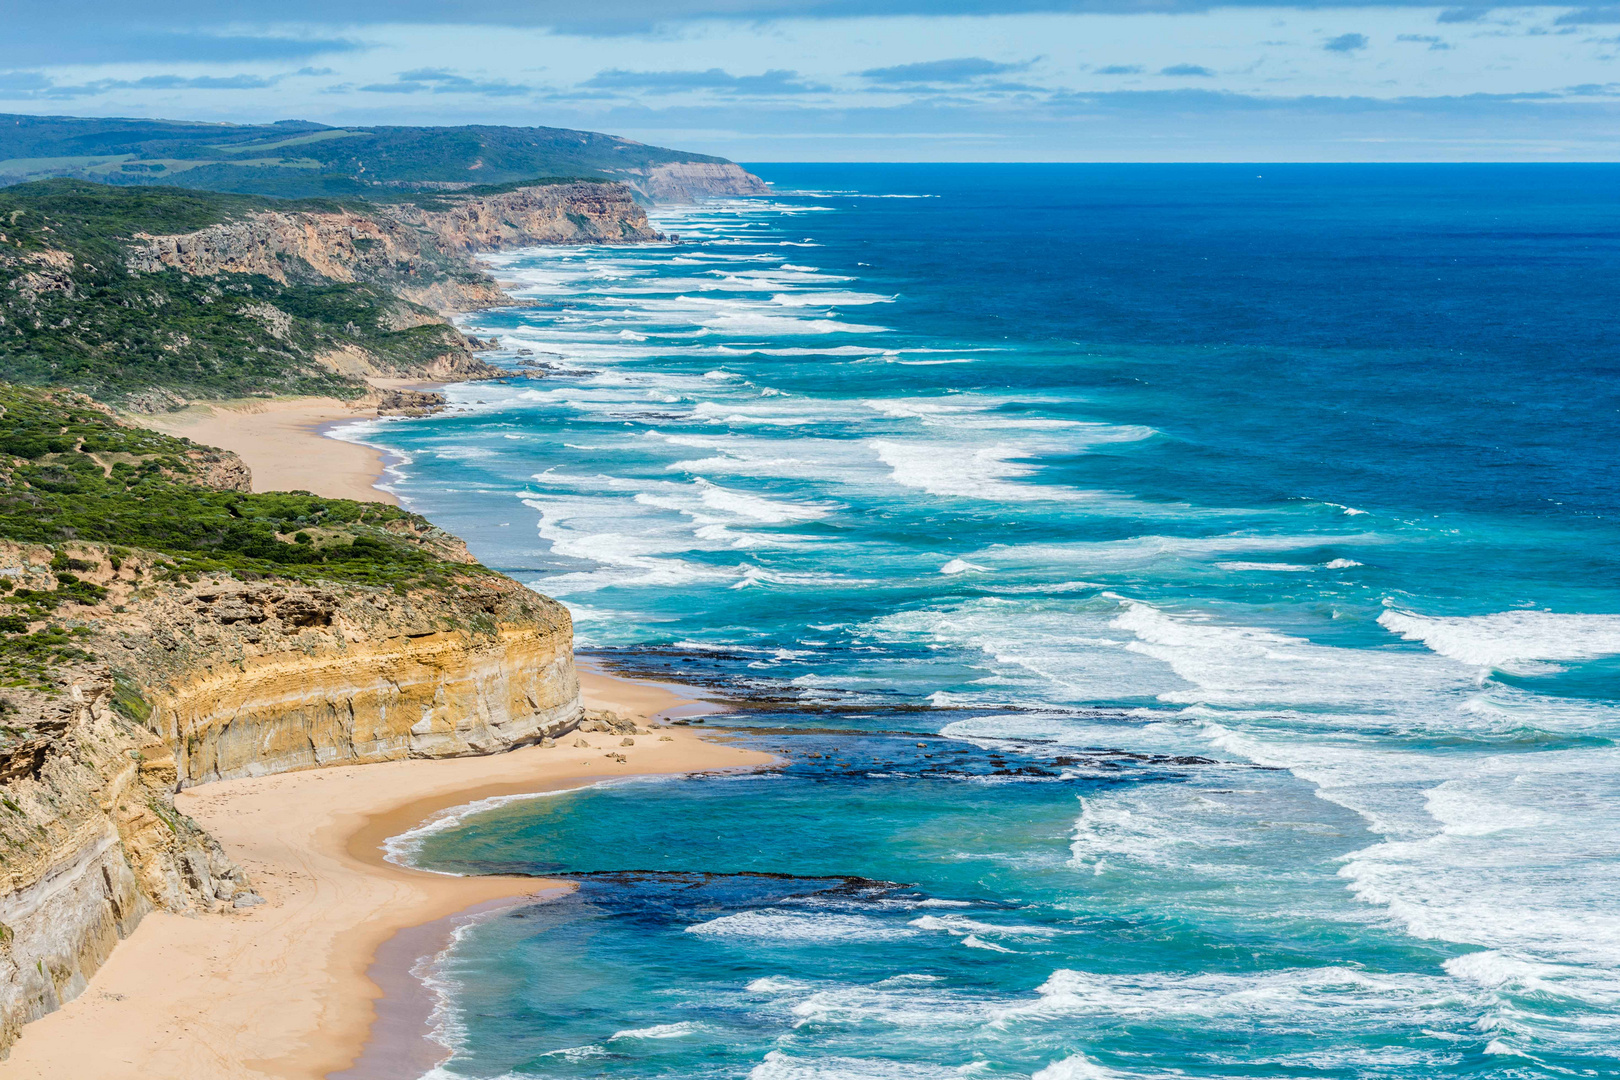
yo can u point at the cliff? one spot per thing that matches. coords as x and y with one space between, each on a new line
694 181
581 213
150 297
416 250
249 679
91 842
197 682
193 631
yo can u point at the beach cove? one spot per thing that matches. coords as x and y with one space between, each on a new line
287 989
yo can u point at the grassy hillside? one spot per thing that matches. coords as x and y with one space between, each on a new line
297 159
72 314
70 474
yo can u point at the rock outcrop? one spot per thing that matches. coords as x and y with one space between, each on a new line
250 679
419 254
409 402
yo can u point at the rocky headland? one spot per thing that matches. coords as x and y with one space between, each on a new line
152 298
164 628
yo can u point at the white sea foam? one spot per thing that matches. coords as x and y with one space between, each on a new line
807 927
952 472
1079 1067
756 507
830 299
402 850
780 1066
659 1031
1509 638
961 926
1295 993
962 566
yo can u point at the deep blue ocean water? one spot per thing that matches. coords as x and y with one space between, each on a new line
1187 599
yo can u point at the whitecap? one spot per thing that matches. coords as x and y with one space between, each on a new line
809 927
1509 638
659 1031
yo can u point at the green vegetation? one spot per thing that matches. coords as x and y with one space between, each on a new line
128 700
296 159
82 476
26 659
69 472
72 313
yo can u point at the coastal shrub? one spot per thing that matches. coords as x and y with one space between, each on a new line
155 503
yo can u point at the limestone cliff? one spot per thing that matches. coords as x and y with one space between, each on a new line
694 181
250 679
91 843
551 214
417 251
180 682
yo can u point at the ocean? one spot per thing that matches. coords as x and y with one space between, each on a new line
1186 599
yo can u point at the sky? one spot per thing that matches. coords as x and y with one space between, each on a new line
841 80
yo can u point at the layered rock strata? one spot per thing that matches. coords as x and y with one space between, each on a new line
188 682
92 842
251 679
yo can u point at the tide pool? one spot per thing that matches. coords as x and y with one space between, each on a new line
1185 598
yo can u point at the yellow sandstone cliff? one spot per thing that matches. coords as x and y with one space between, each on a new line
187 682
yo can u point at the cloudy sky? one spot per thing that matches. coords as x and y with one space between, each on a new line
940 80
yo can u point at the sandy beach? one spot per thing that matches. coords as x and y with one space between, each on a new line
290 989
283 442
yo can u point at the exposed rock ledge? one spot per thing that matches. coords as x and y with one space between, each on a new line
221 678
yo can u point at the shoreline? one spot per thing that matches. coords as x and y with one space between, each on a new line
287 444
291 989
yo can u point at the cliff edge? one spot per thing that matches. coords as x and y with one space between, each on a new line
153 297
162 627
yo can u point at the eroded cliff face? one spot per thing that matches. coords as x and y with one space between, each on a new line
552 214
183 682
694 181
250 679
91 843
338 245
416 252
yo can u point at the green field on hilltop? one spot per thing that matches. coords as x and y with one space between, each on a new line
297 159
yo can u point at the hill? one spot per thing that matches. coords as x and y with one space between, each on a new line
299 159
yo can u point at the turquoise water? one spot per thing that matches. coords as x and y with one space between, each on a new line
1186 599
